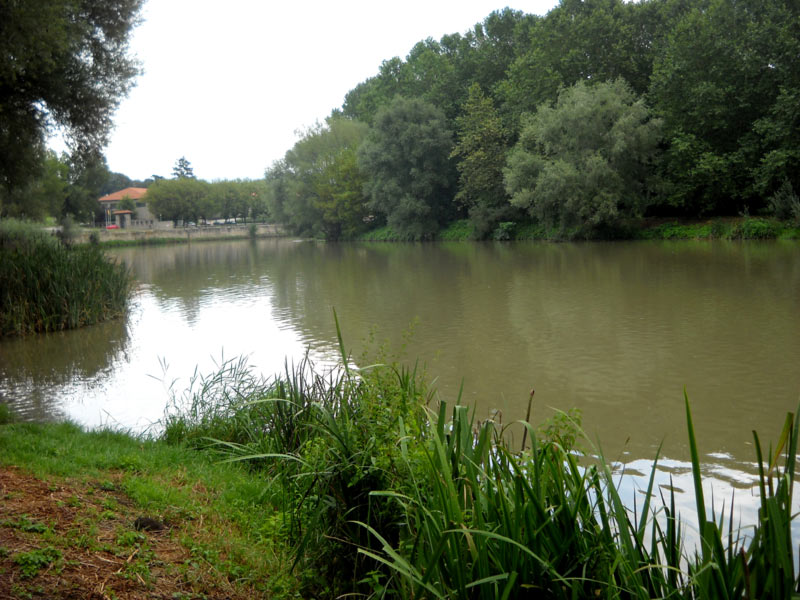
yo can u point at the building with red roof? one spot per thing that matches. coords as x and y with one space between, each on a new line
125 218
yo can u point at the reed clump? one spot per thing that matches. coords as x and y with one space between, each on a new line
384 497
46 285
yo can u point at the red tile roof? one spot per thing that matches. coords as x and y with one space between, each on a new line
133 193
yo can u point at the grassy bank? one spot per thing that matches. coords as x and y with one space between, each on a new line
107 515
49 285
738 228
354 483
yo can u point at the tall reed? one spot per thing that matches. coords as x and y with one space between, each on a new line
385 497
46 286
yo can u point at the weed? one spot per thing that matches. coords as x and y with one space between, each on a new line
130 538
30 563
47 286
25 523
5 414
755 228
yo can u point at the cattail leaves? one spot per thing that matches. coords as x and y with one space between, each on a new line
385 496
46 286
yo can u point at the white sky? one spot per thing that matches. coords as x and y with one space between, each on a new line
227 84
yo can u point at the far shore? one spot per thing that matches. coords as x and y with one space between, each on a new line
137 236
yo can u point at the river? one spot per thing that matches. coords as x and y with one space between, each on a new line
616 330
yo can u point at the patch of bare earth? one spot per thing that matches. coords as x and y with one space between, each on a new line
100 553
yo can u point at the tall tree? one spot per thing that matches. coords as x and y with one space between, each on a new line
317 189
183 169
63 63
406 158
589 161
481 149
726 85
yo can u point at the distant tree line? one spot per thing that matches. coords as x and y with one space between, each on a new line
585 120
64 186
186 199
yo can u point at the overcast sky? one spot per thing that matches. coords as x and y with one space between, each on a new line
227 84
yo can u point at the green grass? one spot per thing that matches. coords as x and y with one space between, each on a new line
457 231
357 484
384 497
381 234
219 510
48 286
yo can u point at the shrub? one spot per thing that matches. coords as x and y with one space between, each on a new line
784 204
754 228
46 286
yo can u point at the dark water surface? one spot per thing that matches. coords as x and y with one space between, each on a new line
617 330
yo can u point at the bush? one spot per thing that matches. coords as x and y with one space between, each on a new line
47 286
784 204
754 228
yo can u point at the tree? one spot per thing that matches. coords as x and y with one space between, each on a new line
406 159
340 196
481 149
176 200
726 85
63 63
63 187
183 169
128 203
588 161
317 188
87 179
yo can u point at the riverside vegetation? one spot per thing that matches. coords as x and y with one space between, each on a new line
576 124
47 284
351 481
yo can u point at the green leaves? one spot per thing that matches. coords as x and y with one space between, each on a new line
588 160
481 149
406 156
65 63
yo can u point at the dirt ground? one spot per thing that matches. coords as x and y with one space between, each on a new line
78 540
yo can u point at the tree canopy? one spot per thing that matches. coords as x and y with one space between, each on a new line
599 112
588 160
407 157
64 64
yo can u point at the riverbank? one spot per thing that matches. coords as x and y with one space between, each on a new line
47 284
727 228
148 237
107 515
349 477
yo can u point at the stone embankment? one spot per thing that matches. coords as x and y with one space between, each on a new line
180 233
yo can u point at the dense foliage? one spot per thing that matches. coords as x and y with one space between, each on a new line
406 157
589 160
382 496
47 285
702 121
190 200
63 63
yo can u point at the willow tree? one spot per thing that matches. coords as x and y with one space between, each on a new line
589 161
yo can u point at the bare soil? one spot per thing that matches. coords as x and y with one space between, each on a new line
102 555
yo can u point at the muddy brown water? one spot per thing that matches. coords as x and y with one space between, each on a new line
616 330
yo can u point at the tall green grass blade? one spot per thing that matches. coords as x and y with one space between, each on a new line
696 475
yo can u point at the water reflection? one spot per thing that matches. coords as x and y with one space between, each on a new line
616 330
35 370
